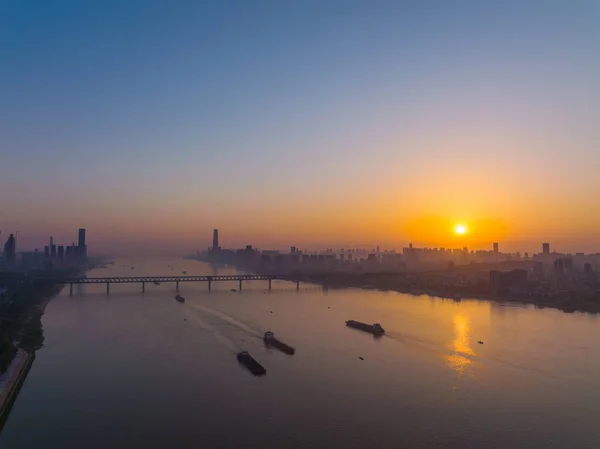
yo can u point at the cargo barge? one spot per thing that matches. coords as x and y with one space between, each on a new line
253 366
270 340
374 329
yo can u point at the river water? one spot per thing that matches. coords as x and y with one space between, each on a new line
133 370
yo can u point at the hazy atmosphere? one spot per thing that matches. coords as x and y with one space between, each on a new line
292 224
308 123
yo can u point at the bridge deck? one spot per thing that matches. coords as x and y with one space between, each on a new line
138 279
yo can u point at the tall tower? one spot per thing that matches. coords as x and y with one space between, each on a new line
81 246
546 248
495 247
215 245
10 250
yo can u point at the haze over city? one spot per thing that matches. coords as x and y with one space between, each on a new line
316 124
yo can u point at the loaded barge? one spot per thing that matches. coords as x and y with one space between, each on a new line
374 329
253 366
270 340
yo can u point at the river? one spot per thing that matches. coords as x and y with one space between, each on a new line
133 370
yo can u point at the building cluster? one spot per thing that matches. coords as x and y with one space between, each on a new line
53 255
451 271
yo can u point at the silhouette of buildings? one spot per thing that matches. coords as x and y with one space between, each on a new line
10 250
81 245
215 245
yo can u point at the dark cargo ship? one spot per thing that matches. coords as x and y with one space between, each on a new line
253 366
270 340
374 329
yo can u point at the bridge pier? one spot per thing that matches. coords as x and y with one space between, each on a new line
143 287
297 285
209 284
177 286
240 289
71 289
107 288
269 284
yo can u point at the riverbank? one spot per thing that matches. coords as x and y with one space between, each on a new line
12 380
564 301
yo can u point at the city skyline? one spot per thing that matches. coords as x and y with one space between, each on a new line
320 124
235 242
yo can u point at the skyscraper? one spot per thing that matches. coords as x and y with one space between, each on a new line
81 241
546 248
215 245
81 246
10 250
495 247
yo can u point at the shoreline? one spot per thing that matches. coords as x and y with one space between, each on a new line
12 380
563 302
22 326
568 306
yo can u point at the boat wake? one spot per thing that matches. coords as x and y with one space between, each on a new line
229 319
412 339
214 332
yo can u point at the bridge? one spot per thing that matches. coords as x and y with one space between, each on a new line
327 278
173 279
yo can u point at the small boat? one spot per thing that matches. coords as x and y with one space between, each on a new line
374 329
480 342
233 290
270 340
184 272
156 283
253 366
133 268
179 298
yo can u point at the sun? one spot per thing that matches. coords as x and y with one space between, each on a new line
460 229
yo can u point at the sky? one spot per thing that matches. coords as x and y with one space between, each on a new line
309 123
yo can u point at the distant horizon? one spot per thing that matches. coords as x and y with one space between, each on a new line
180 249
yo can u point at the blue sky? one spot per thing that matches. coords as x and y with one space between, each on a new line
263 113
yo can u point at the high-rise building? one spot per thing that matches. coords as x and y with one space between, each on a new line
293 250
10 250
81 239
61 252
81 245
495 247
53 251
46 251
546 248
215 245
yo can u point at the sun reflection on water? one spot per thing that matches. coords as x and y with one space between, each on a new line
459 360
